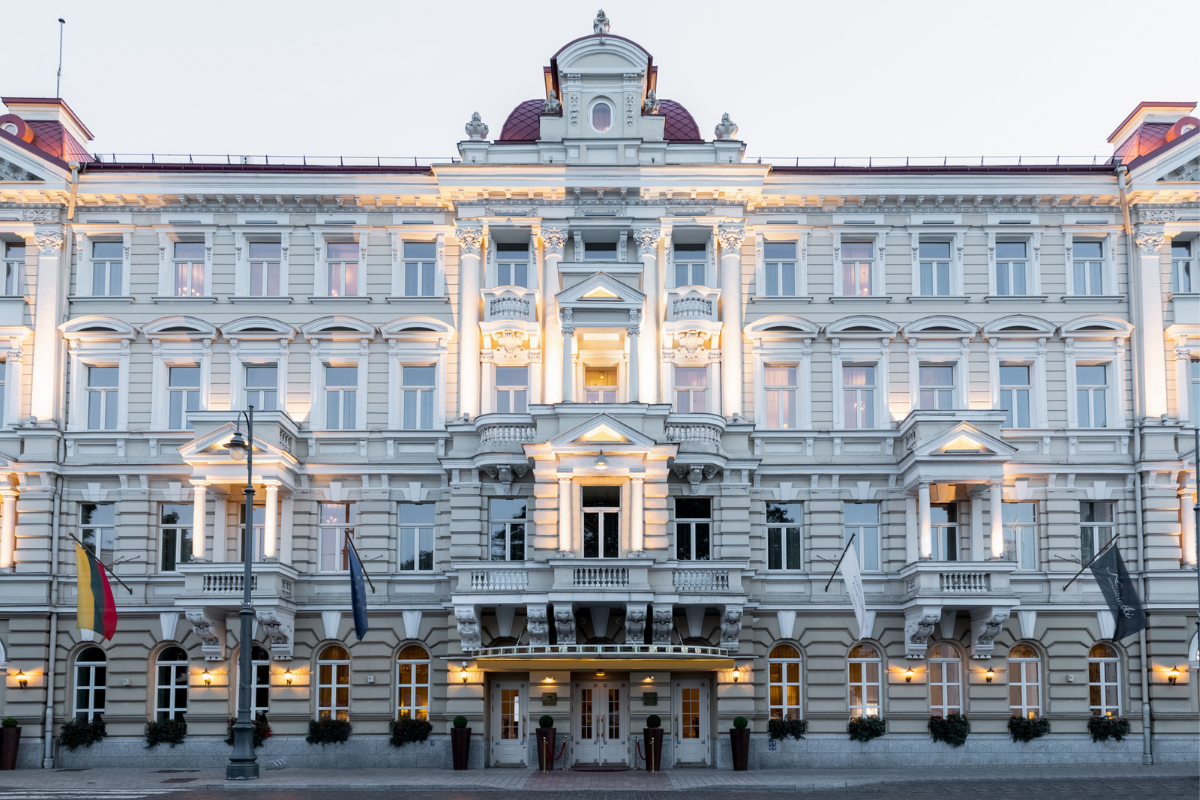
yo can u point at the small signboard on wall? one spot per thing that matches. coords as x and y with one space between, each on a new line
549 698
649 698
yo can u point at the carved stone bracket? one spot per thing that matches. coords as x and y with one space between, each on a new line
554 239
986 623
695 473
469 240
506 473
468 627
647 241
635 623
537 625
731 627
663 621
209 627
279 625
731 238
919 624
1149 241
564 624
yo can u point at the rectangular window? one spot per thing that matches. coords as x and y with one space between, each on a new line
779 264
1096 529
183 395
189 269
1011 268
336 525
784 548
342 269
858 396
693 528
416 397
265 261
944 527
1014 395
341 398
600 251
416 536
512 390
937 388
601 521
781 393
1088 267
862 522
98 528
599 384
176 525
1091 392
1020 534
507 529
1183 267
3 385
512 264
691 261
691 390
14 269
107 264
262 386
420 260
935 268
1194 368
102 390
258 531
858 267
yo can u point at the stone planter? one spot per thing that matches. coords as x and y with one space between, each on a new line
546 748
460 747
652 744
739 743
10 741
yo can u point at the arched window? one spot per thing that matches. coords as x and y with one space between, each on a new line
171 696
260 681
412 677
91 668
864 666
945 681
784 679
333 683
1024 682
1104 693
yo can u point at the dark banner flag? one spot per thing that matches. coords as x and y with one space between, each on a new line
1118 590
358 594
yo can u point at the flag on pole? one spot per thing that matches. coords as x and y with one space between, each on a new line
1118 589
95 608
358 592
853 578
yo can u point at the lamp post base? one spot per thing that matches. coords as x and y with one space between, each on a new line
241 771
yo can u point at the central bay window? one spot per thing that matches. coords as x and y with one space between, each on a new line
691 390
781 388
417 393
1024 682
342 269
936 388
512 390
935 269
265 261
1015 387
1088 268
176 525
863 668
779 268
91 684
945 681
1104 690
416 536
262 386
784 683
512 264
341 398
944 528
183 395
862 522
412 678
420 269
171 684
336 525
858 396
1020 534
1183 268
189 269
97 529
107 267
333 683
507 524
691 262
784 536
1012 268
858 266
103 389
601 521
1091 394
599 384
693 528
1096 528
14 269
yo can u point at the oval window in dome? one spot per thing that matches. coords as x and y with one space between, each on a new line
602 115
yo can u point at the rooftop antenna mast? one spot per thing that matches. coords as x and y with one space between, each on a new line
58 83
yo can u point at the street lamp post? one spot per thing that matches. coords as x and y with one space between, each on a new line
1196 511
243 764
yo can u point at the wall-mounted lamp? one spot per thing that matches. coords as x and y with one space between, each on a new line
207 678
287 676
908 673
991 673
463 672
22 679
1173 675
601 462
648 679
736 676
547 679
600 674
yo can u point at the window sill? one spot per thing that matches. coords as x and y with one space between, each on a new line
1189 296
321 299
433 298
860 298
938 298
781 298
1093 298
186 301
118 299
1015 298
281 300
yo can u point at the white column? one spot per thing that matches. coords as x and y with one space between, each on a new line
996 491
634 370
469 243
50 243
924 521
565 515
1148 318
977 526
637 527
199 519
1187 527
568 358
487 368
552 340
8 530
731 320
647 244
269 518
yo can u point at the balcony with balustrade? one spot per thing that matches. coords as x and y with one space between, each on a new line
693 304
221 584
509 304
961 584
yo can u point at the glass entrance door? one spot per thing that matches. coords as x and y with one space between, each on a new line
508 722
601 521
602 723
691 722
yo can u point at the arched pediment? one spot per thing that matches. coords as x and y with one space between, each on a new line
257 327
179 326
940 325
336 326
98 327
416 325
1099 325
862 325
782 324
1018 326
601 52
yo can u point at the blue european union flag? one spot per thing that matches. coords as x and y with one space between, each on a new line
358 594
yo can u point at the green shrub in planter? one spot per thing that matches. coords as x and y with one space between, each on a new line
783 728
8 722
864 729
409 730
328 731
262 729
1102 728
78 733
952 729
171 731
546 721
653 721
740 723
1024 729
460 721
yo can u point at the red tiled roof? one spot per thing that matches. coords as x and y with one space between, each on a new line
51 137
679 125
523 125
1148 137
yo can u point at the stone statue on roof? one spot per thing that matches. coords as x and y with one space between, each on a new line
600 25
551 104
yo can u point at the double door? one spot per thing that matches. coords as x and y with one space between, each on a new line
601 722
508 722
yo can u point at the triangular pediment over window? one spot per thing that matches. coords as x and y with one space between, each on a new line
964 439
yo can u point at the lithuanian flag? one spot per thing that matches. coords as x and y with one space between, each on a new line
96 609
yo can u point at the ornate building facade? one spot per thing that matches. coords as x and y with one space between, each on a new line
600 404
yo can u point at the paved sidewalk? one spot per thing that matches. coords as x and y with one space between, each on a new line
109 780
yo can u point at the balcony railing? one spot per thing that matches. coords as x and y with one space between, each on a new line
227 583
693 303
223 583
499 580
509 303
965 582
970 581
701 580
602 577
603 650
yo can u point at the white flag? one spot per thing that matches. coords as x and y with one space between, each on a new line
854 588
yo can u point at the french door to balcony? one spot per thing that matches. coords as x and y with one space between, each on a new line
601 521
601 723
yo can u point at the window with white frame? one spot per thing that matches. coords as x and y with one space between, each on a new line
943 520
258 531
183 395
1183 267
412 679
599 384
945 681
341 398
3 384
91 684
171 685
693 528
507 524
1096 528
1020 534
1012 268
1088 267
1104 688
1194 397
785 548
784 683
260 681
176 525
416 536
779 268
188 276
936 392
1024 682
512 264
858 268
333 683
420 269
512 390
107 268
14 269
691 263
266 259
782 386
262 386
858 396
341 269
935 269
863 671
601 506
103 390
691 390
98 529
1015 389
336 525
1091 394
416 396
861 521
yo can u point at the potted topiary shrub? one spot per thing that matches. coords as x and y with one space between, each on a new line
951 729
460 742
1104 728
739 741
10 740
546 734
864 729
652 738
1026 729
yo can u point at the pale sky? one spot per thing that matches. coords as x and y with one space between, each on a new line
800 78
